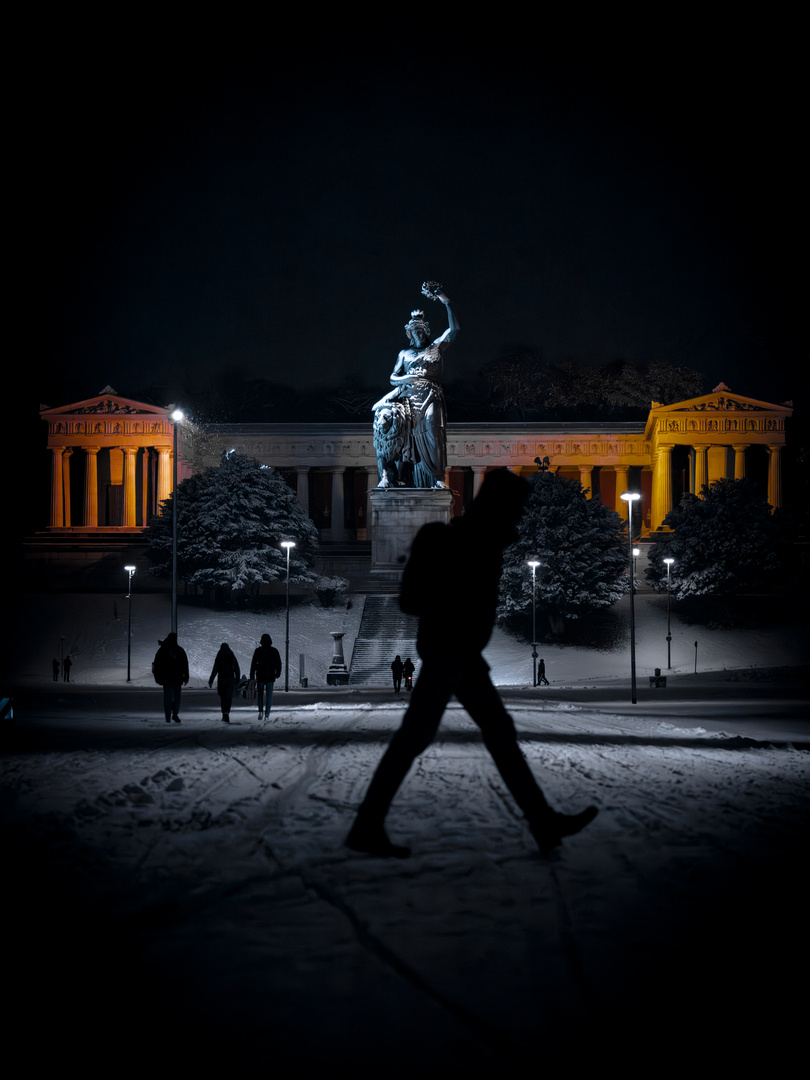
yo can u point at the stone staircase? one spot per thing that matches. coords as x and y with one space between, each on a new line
384 632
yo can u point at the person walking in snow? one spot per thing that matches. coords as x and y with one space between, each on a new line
265 668
226 670
407 670
455 623
67 664
541 674
170 668
396 672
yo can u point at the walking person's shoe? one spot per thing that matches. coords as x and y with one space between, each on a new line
549 831
373 840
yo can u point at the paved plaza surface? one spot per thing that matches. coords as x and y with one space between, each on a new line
181 893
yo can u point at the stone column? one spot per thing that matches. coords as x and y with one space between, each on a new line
57 510
478 477
302 487
164 479
366 478
130 460
622 480
700 468
774 477
338 526
586 479
145 468
66 485
739 460
662 485
91 487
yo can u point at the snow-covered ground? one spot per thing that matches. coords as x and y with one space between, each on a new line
179 896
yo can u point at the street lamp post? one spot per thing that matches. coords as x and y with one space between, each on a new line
630 497
287 544
534 564
176 418
130 571
669 563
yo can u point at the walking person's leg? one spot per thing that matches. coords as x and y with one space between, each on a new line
482 701
417 731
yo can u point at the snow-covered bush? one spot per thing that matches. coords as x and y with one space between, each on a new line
582 548
330 589
231 521
724 543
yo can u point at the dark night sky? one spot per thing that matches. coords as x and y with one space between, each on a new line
198 205
276 213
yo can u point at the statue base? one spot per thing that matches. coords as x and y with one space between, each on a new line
397 515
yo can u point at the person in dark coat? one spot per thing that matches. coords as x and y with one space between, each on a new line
396 672
227 673
170 668
455 623
67 664
541 674
265 668
407 670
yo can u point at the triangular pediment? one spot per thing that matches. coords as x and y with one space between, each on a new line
107 403
720 400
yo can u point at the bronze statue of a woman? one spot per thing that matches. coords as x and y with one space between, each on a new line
410 422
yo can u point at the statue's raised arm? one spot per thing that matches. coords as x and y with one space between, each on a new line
433 291
410 423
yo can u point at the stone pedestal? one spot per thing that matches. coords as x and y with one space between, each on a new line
397 515
338 673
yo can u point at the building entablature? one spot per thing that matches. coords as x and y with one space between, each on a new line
108 420
719 418
289 446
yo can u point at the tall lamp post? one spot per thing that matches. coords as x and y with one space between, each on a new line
287 544
176 418
533 563
630 497
130 571
669 563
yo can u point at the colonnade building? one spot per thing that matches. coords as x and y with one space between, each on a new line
111 460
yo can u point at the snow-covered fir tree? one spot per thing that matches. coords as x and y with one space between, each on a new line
582 548
231 521
726 542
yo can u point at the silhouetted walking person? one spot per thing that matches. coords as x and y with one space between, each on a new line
55 668
541 674
67 664
407 670
455 623
227 673
396 672
170 668
265 668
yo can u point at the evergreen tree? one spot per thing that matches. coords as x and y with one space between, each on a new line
724 543
583 557
231 521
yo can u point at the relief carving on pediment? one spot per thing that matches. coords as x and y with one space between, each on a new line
107 406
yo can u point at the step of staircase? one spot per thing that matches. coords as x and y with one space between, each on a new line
385 631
